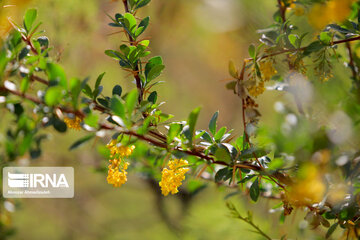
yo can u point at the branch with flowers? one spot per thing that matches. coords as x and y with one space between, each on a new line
300 155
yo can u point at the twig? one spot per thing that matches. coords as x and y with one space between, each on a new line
247 219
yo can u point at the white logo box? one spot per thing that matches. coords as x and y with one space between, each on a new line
38 182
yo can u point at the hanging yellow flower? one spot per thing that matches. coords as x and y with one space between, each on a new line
117 166
257 89
73 123
117 173
267 70
172 178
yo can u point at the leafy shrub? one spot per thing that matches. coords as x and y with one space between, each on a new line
303 160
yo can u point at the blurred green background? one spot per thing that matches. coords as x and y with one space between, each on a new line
196 40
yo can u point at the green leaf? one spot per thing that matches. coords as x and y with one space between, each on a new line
132 3
151 63
56 73
144 23
293 38
87 90
249 153
174 130
231 85
130 22
24 52
117 90
98 80
43 41
192 122
220 134
331 230
81 141
113 54
252 51
117 107
254 190
141 3
59 125
152 97
223 174
29 19
53 95
313 47
154 72
144 43
75 89
139 31
206 136
247 178
25 83
223 154
131 100
232 70
325 38
103 102
144 128
91 120
212 124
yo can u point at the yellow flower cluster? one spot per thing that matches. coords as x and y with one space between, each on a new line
117 167
73 123
122 151
172 178
267 70
257 89
332 11
309 187
116 174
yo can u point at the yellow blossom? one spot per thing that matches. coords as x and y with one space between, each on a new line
172 178
73 123
256 90
117 166
117 174
267 70
308 188
123 151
